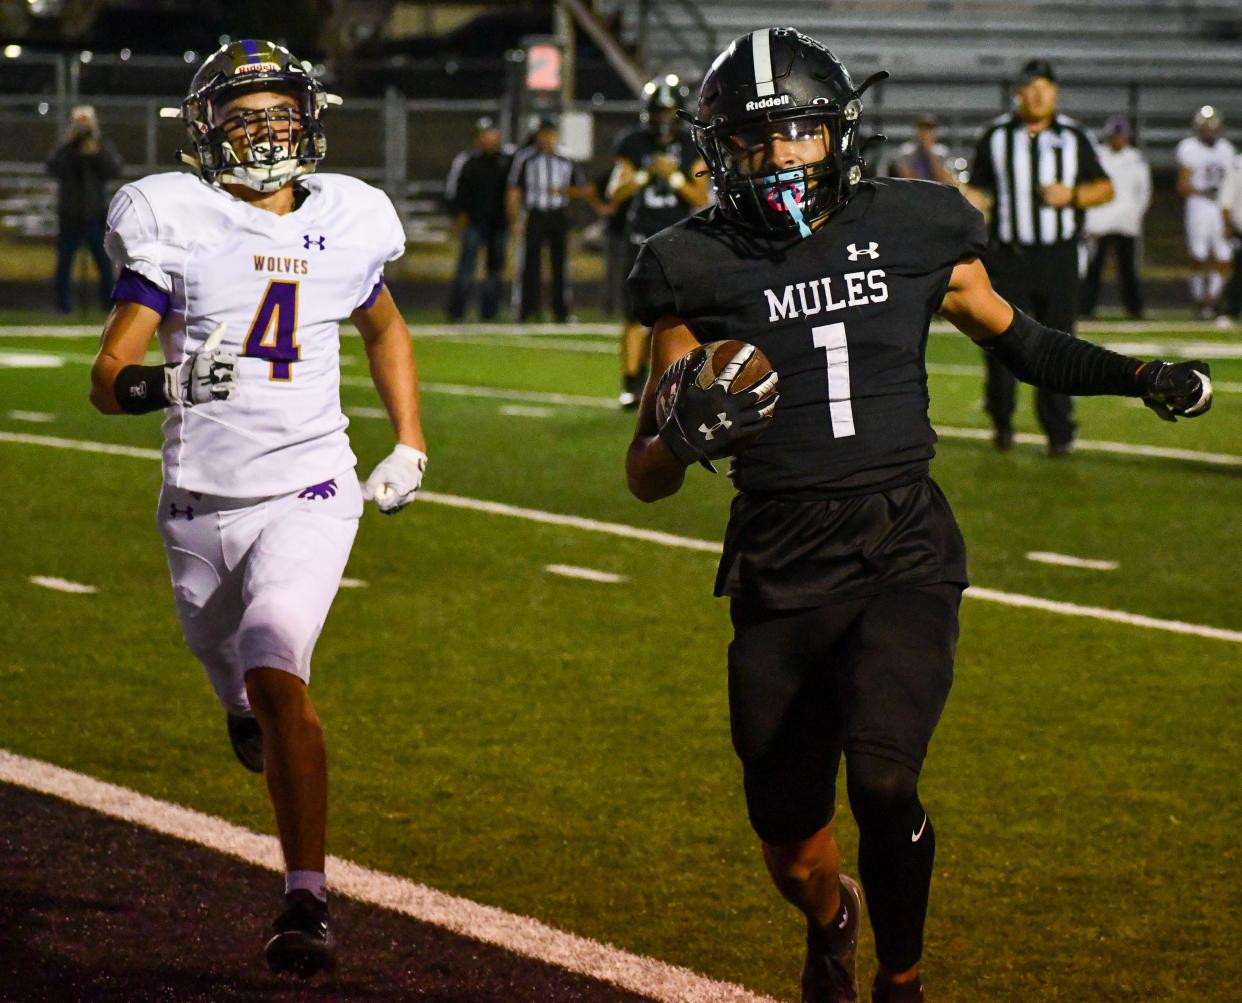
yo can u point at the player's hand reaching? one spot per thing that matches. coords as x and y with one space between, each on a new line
396 479
1176 390
712 423
202 376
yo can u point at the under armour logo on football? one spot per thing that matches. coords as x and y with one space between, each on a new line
307 241
723 422
872 250
188 511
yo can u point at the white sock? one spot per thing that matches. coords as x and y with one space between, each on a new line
1197 285
312 881
1215 283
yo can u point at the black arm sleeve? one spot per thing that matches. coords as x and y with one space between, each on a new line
1056 361
140 389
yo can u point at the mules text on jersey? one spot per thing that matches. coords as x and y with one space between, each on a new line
826 295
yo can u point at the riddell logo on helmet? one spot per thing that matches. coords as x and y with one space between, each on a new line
258 68
771 102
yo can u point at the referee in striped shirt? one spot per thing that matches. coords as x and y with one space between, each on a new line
542 183
1039 171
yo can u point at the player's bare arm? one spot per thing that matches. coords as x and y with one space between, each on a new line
127 334
386 340
623 182
1043 357
651 469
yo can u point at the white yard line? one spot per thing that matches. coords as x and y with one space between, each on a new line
516 934
1069 561
526 411
682 542
586 574
353 583
41 417
1098 446
62 585
30 360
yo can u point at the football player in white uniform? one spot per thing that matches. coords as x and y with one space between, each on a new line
244 271
1204 162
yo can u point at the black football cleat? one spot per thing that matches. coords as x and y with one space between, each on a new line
828 975
303 944
897 992
247 740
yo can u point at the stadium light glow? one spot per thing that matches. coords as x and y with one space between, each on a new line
125 54
86 55
44 107
12 51
189 55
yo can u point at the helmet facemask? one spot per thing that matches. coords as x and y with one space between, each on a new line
259 145
754 185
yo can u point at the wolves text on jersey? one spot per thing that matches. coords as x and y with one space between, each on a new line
286 266
804 299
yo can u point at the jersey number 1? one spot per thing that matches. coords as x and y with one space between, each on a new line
273 332
831 338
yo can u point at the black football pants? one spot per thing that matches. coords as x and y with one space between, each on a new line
544 228
1125 249
1041 282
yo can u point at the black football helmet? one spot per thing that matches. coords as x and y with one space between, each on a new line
664 98
779 83
278 144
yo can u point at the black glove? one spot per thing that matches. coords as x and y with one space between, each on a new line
708 423
1176 390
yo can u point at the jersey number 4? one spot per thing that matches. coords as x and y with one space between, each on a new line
831 338
273 333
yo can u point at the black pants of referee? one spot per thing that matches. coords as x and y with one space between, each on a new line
1041 282
1125 250
544 228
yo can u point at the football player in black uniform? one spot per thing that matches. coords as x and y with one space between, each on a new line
842 558
658 178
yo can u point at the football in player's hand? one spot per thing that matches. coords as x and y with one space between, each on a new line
715 356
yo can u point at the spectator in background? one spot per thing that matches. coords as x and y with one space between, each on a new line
83 164
1204 161
923 157
542 183
1118 225
475 191
1231 216
1040 171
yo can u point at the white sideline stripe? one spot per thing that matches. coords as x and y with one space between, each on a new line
30 360
526 411
353 583
37 416
586 574
499 393
1100 613
1068 561
1096 446
685 542
516 934
62 585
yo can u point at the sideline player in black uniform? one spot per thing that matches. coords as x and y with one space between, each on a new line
842 558
656 179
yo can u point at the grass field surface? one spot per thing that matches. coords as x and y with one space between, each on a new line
558 746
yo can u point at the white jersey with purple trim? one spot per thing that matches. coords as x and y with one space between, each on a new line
281 285
1209 166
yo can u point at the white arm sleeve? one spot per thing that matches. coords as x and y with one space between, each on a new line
132 239
390 244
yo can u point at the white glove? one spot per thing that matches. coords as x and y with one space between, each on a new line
202 376
396 479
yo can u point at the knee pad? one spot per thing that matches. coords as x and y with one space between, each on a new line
883 793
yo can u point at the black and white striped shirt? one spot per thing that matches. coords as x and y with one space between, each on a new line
545 178
1014 166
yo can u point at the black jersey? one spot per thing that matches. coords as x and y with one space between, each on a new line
655 206
843 317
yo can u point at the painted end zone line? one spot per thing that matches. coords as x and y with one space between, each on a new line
688 543
517 934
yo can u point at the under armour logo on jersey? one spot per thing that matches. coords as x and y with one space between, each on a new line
321 240
722 423
188 511
872 250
